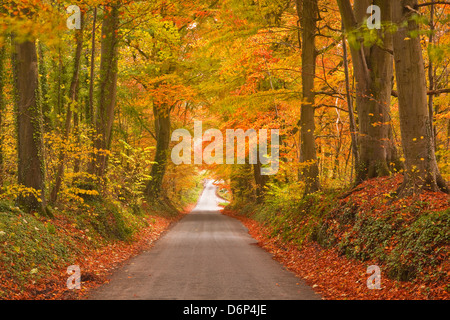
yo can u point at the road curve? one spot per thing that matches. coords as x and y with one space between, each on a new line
205 256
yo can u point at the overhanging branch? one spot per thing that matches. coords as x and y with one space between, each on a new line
431 3
430 92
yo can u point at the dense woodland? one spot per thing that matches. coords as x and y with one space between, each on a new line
86 114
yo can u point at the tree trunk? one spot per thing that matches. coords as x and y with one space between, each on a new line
2 110
76 132
31 170
351 113
69 112
421 170
308 156
107 89
43 89
162 129
373 71
339 129
91 115
431 77
260 180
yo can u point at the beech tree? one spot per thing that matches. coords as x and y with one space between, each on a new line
2 108
69 112
104 116
421 169
162 129
308 15
30 169
373 72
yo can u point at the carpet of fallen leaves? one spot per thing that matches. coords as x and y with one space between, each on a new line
96 265
372 197
337 277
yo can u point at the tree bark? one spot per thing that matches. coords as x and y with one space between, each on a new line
431 76
69 112
91 115
373 71
308 156
351 113
31 170
162 129
43 89
260 180
107 89
421 170
2 110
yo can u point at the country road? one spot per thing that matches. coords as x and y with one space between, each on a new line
205 256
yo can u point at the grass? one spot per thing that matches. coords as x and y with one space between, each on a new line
31 246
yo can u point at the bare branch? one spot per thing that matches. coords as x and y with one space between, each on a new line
430 92
431 3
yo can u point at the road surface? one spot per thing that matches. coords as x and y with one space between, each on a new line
205 256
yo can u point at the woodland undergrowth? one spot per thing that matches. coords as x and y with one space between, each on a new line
97 234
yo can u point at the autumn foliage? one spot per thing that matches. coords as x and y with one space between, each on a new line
87 116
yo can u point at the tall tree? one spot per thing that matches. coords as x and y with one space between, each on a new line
308 17
373 72
31 170
421 170
2 110
431 71
107 87
69 112
355 143
92 70
260 181
43 88
162 129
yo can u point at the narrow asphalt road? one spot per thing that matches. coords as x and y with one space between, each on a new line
205 256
